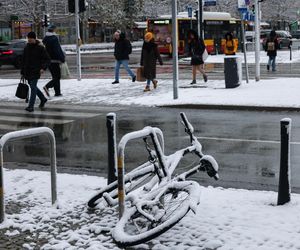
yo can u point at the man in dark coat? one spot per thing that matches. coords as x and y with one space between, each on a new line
121 52
271 48
57 56
34 61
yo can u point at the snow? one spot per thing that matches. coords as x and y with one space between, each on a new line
280 92
277 92
225 218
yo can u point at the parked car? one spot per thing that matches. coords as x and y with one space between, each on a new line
284 39
11 52
296 34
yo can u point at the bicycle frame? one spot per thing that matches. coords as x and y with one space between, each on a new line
159 168
167 169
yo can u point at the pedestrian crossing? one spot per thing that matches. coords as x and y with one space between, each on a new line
13 116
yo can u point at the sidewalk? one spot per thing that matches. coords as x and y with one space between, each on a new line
226 218
273 94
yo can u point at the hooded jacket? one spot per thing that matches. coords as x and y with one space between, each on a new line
53 48
122 48
35 58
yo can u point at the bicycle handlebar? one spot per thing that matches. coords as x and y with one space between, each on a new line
188 126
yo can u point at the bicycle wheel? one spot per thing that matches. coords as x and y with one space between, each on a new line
134 228
134 179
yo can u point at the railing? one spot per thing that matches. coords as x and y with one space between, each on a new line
22 134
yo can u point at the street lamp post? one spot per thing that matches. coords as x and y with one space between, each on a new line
78 41
174 49
200 16
257 40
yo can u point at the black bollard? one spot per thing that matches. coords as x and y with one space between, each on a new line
284 189
112 147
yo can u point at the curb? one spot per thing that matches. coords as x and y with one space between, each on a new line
231 107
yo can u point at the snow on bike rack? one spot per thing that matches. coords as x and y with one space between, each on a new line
22 134
121 148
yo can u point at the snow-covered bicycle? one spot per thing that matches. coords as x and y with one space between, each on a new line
156 199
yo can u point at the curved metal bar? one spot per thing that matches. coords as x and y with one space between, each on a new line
22 134
121 148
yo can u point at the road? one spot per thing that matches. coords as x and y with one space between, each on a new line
245 143
101 65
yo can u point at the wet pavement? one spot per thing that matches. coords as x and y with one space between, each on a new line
245 143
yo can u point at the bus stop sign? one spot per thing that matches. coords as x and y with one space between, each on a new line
190 11
210 2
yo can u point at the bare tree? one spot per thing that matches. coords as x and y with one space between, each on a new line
276 11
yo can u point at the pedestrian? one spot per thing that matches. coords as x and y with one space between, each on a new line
122 50
35 61
57 56
230 46
150 54
196 50
271 47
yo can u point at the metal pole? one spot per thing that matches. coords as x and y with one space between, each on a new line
284 188
121 182
175 49
2 207
200 12
257 41
245 52
78 41
112 147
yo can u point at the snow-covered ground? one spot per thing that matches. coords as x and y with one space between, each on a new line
281 92
225 219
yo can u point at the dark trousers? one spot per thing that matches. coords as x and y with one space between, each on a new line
55 82
35 91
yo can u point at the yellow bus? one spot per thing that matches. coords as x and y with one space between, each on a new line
216 25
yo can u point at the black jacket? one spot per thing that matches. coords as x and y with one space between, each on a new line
35 58
53 48
150 54
122 48
196 47
271 46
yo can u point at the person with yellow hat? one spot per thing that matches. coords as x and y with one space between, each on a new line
150 54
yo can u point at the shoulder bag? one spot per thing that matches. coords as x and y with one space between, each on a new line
22 89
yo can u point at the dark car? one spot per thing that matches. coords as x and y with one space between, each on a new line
296 34
11 52
284 39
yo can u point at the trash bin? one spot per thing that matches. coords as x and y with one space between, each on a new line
232 71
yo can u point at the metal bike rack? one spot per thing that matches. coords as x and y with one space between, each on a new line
22 134
121 148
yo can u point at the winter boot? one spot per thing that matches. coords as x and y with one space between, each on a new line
147 88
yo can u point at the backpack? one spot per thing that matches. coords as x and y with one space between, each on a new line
271 46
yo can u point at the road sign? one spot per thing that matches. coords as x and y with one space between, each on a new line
190 11
242 5
210 2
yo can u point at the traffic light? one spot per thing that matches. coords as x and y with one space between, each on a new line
196 14
253 9
46 21
71 5
129 6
